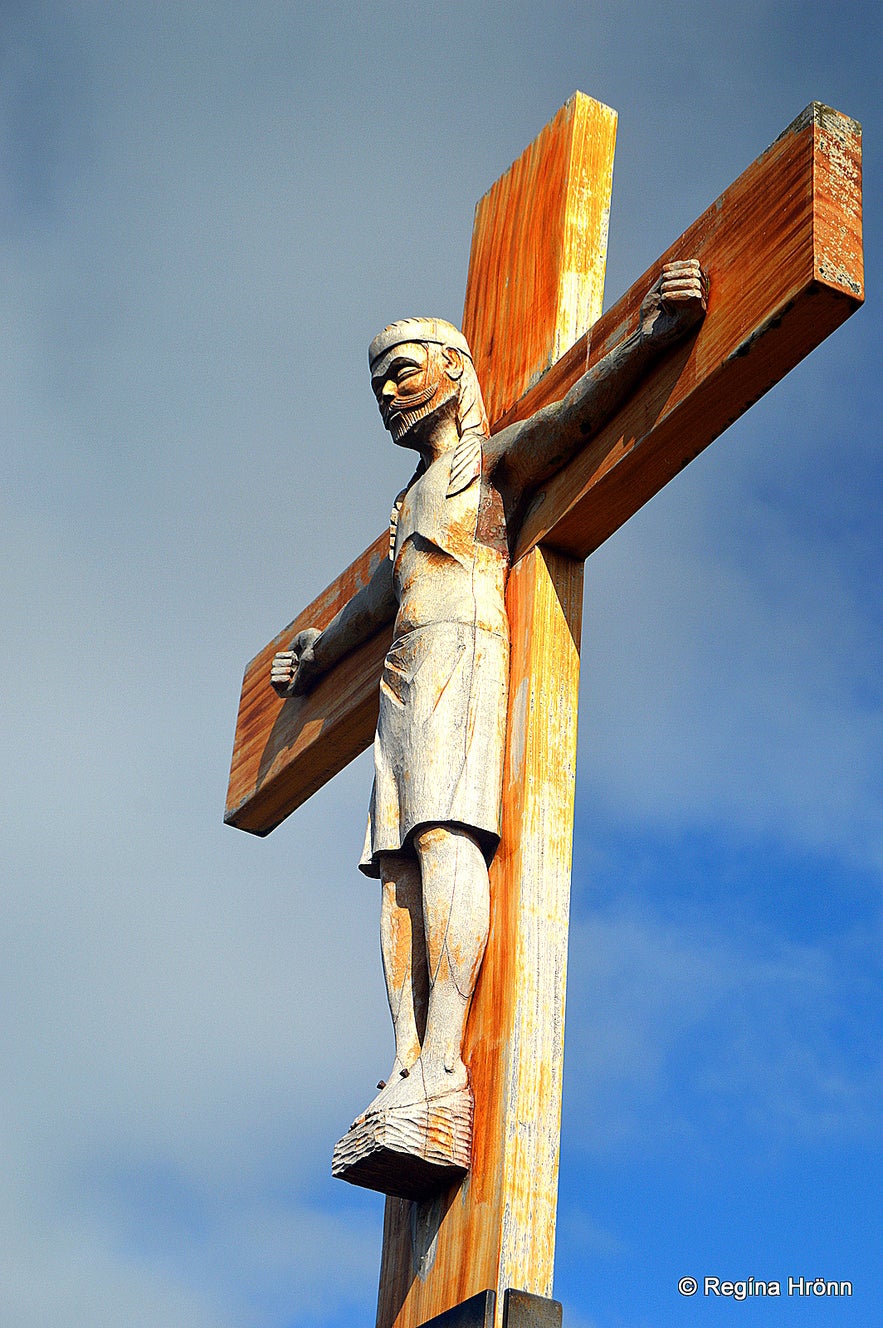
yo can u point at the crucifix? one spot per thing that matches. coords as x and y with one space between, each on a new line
539 429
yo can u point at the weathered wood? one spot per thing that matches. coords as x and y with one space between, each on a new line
498 1228
424 1149
546 218
783 249
477 1312
285 750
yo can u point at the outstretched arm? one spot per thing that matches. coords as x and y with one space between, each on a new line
313 653
536 448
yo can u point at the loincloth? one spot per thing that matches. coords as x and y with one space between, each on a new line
438 750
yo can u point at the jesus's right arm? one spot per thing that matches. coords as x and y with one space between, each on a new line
313 653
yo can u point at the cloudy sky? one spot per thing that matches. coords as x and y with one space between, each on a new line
206 211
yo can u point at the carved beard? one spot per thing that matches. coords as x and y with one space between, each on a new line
405 412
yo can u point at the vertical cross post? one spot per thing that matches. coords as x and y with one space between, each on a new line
782 249
535 285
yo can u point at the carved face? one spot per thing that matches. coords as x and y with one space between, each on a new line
411 382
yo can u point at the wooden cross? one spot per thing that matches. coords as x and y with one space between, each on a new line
782 250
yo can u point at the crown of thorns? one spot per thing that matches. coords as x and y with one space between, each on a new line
429 330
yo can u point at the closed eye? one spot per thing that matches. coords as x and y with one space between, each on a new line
398 370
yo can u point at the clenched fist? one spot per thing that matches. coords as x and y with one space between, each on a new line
294 671
676 303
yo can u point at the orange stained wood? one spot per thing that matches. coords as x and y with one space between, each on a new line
783 247
498 1228
539 247
285 750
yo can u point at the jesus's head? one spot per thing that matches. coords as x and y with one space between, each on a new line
425 383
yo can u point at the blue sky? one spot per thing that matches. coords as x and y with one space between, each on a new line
206 212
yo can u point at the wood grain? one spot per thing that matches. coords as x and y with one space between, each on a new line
284 751
497 1229
545 219
783 246
410 1153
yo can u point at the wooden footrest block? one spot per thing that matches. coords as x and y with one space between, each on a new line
411 1152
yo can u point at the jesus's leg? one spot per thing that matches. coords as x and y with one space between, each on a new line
456 910
403 949
418 1130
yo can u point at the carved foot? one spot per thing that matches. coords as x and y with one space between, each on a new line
406 1088
386 1087
411 1151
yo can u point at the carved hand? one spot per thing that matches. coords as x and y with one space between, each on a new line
294 671
675 304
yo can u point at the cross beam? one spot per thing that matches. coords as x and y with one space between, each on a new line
783 250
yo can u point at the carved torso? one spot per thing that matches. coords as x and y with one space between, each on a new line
449 550
438 751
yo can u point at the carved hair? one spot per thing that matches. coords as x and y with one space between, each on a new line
471 413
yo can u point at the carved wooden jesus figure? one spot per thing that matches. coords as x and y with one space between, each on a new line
434 820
